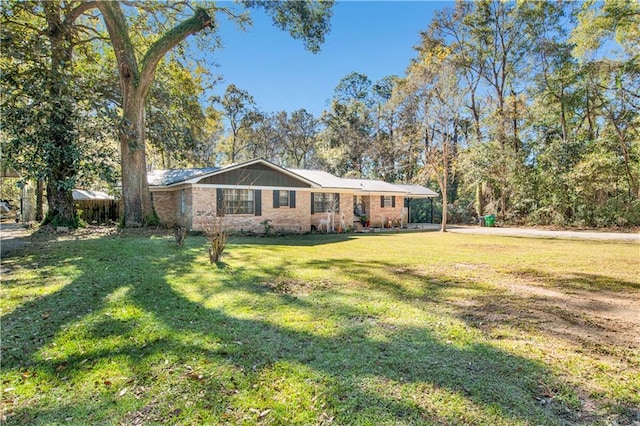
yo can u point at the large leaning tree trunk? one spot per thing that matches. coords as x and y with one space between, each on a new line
135 81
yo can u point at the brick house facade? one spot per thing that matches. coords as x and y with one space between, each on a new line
246 195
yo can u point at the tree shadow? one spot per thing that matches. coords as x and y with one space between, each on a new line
352 362
565 306
318 238
578 281
306 240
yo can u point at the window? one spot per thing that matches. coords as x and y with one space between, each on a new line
238 201
325 202
283 198
387 201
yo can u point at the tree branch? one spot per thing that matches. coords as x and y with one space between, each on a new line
119 34
89 40
199 21
91 31
76 12
6 20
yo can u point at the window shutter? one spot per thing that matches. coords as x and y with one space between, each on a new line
393 201
292 199
257 199
312 211
276 199
382 201
219 202
337 201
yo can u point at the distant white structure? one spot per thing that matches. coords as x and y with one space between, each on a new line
325 223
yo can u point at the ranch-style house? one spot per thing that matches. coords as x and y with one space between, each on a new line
293 200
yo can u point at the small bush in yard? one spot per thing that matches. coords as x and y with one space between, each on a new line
217 244
180 233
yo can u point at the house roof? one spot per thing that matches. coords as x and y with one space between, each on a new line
418 191
195 175
316 178
325 180
172 176
7 171
371 185
82 194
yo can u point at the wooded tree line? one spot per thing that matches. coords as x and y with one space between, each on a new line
517 109
520 109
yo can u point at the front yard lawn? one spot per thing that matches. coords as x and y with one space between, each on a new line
409 328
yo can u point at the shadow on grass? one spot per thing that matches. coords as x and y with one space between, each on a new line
573 316
353 364
306 240
578 281
318 238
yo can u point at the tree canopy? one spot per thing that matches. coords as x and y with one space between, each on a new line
526 110
141 36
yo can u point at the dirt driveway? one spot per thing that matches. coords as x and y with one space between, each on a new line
539 233
12 237
603 318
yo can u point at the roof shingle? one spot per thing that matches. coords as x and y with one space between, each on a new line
171 176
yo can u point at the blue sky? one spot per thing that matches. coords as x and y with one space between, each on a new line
371 37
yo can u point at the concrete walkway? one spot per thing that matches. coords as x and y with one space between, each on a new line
534 233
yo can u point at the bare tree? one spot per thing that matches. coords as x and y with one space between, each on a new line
433 83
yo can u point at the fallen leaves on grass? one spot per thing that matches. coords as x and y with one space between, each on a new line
260 414
193 374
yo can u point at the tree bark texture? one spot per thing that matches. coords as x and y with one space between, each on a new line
39 200
444 180
136 198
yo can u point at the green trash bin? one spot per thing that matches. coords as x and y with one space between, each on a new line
490 220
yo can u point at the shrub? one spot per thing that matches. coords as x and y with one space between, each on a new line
268 227
180 233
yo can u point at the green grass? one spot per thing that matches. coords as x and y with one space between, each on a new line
414 328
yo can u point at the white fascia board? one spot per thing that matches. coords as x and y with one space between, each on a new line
262 187
172 187
364 192
416 196
183 185
333 190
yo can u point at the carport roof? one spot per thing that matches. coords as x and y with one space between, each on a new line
417 191
83 194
